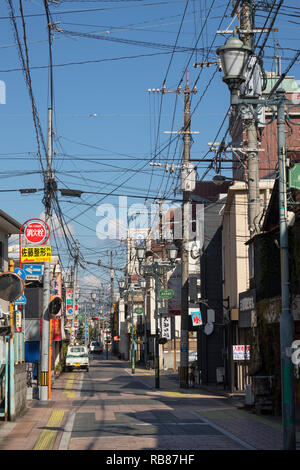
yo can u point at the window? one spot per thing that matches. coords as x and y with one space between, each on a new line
77 350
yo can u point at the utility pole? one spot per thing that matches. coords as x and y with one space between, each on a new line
49 184
112 311
187 185
252 159
75 272
286 319
111 279
184 337
85 328
49 189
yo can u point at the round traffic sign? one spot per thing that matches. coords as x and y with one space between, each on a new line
20 272
37 232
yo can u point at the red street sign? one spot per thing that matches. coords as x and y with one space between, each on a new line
37 232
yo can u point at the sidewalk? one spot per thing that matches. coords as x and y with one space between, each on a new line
169 381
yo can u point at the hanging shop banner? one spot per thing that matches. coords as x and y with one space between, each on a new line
69 303
174 284
56 329
18 320
36 254
196 318
166 327
56 288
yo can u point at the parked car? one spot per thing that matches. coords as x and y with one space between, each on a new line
96 347
77 358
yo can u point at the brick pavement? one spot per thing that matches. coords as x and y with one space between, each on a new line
110 409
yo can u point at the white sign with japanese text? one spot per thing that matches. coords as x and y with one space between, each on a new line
166 327
241 352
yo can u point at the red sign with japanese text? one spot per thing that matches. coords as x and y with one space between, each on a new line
36 232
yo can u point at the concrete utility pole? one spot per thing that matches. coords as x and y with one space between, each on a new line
252 159
184 338
49 180
111 279
186 185
286 319
74 292
49 188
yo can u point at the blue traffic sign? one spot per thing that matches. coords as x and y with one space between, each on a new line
33 269
20 272
21 300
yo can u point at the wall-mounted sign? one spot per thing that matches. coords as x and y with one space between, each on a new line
21 300
241 352
138 310
247 309
36 254
33 269
294 176
166 294
36 232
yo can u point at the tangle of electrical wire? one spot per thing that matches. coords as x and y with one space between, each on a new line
26 71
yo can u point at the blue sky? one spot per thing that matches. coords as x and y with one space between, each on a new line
107 126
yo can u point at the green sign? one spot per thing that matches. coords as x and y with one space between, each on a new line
166 294
138 310
294 176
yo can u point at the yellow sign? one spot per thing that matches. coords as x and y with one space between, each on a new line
35 254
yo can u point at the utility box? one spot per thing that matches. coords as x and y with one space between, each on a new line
188 177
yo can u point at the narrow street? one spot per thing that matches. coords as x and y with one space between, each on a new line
109 408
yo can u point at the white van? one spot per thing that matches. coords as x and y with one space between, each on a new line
77 358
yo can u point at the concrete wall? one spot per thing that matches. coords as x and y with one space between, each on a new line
20 387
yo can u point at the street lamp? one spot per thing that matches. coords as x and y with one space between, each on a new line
141 252
233 57
172 252
220 179
142 282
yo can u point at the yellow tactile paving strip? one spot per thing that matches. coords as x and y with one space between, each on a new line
47 438
69 386
190 395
